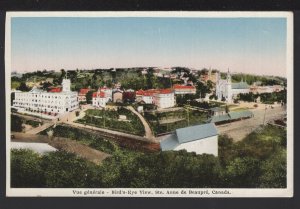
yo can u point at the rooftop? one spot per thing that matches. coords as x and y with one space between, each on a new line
193 133
100 94
183 87
240 85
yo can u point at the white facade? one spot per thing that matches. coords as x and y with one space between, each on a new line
99 99
164 100
107 93
208 146
38 100
228 90
148 99
99 102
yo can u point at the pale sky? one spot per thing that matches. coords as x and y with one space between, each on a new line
249 45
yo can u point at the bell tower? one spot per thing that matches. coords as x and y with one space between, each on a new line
66 85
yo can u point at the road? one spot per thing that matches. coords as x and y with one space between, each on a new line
148 131
239 129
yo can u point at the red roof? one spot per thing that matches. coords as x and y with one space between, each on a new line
151 92
84 91
165 91
55 89
99 94
183 87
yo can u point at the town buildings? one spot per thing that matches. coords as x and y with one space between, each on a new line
162 98
57 101
183 89
82 94
265 89
117 96
99 99
227 90
199 139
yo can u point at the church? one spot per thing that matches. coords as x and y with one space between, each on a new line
226 90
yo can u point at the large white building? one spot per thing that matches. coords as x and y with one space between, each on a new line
199 139
228 90
39 101
162 98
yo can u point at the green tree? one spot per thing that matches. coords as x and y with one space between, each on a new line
89 97
65 170
26 170
23 87
16 123
274 171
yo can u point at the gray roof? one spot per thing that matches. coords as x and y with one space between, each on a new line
219 118
217 109
240 85
169 143
193 133
240 114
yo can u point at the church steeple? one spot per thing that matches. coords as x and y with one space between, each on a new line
228 76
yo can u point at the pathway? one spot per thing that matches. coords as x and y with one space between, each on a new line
148 131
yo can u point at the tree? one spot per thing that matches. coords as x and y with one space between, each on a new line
23 87
65 170
242 173
274 171
16 123
89 97
26 169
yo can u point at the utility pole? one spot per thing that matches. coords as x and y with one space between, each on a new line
104 118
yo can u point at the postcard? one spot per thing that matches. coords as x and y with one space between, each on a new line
149 104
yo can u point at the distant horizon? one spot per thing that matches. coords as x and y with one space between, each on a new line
254 45
198 69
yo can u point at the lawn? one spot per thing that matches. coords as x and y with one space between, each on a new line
109 119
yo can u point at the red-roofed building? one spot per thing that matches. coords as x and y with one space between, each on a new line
182 89
108 93
99 99
82 94
162 98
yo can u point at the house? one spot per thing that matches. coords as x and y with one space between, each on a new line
56 101
99 99
162 98
199 139
145 96
82 94
117 96
129 95
183 89
107 92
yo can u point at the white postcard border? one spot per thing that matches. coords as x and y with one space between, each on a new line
161 192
